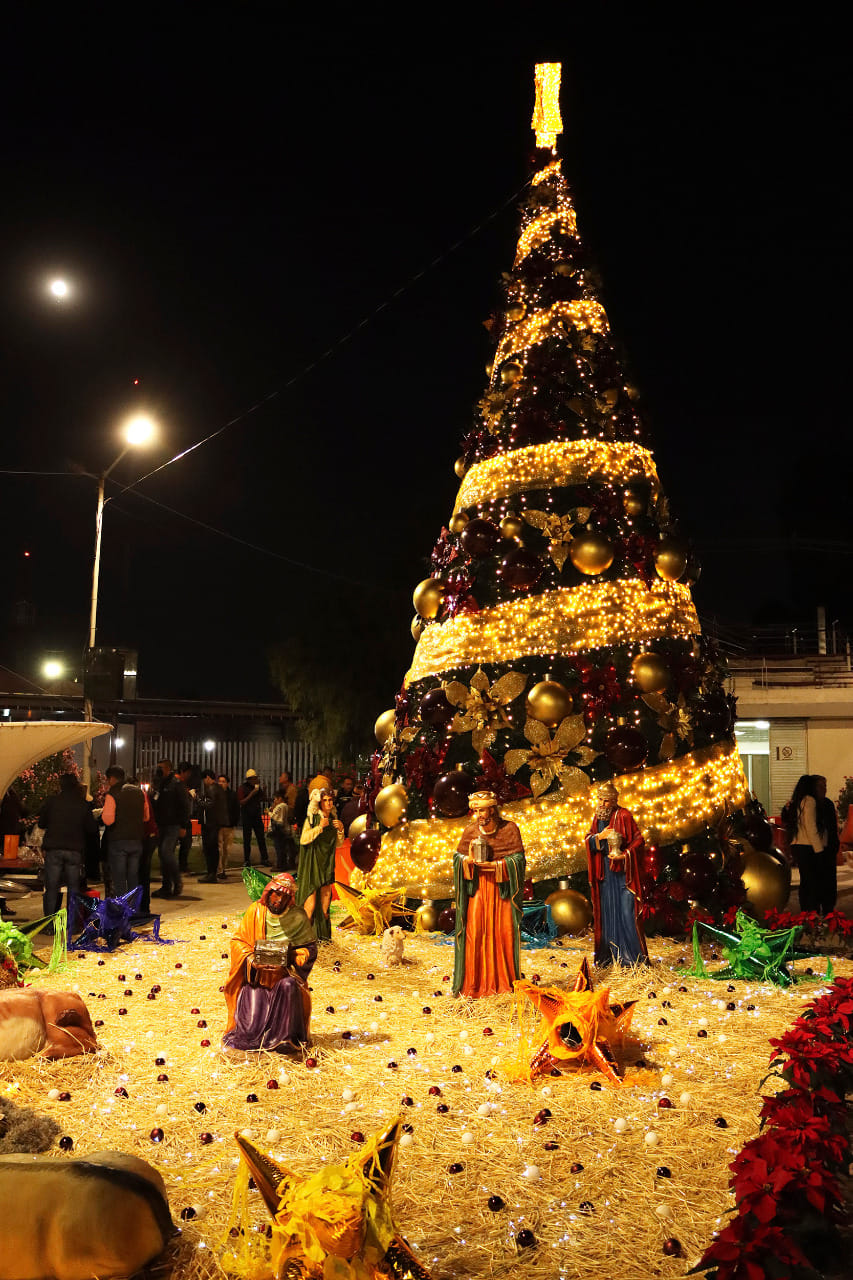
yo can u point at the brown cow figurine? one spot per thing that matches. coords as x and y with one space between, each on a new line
55 1024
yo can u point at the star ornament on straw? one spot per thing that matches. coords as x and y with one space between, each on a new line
582 1026
336 1224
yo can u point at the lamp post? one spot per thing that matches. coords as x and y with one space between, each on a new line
138 431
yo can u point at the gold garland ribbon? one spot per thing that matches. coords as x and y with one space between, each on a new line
554 465
586 314
670 801
564 621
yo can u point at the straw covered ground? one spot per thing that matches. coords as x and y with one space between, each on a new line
608 1217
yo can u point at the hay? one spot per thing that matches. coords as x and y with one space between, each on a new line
444 1216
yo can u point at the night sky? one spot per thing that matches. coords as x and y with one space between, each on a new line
231 199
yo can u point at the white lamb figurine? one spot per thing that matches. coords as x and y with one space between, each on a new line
393 941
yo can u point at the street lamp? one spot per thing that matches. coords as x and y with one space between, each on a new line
59 288
52 669
138 430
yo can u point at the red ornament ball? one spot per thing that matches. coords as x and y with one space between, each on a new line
364 849
122 1010
577 1167
201 1023
66 1143
525 1238
672 1247
479 537
99 1022
520 569
251 1097
205 1044
495 1203
487 1031
456 1167
205 1138
550 1146
195 1010
434 1091
665 1104
122 978
442 1108
121 1092
188 1213
272 1084
159 1062
156 1135
356 1136
407 1101
436 710
200 1107
162 1078
626 748
311 1063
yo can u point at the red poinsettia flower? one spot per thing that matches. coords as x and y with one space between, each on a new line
457 597
639 552
600 688
744 1248
445 551
496 779
423 765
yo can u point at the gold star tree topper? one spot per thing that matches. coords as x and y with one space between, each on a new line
546 113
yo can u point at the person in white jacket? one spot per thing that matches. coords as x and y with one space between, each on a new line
808 840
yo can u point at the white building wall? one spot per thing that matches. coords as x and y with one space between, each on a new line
830 751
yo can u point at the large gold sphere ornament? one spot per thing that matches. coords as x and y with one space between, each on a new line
427 597
390 804
426 916
549 702
418 625
591 553
511 526
635 500
384 726
458 522
357 826
767 882
650 673
510 372
460 468
516 311
671 558
572 912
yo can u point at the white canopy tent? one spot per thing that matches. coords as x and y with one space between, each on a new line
24 742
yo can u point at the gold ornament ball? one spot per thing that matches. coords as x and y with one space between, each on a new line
671 558
572 912
427 597
390 804
418 625
384 726
510 372
357 825
650 673
512 526
458 522
549 702
634 500
460 468
515 312
767 882
426 916
591 553
490 368
564 269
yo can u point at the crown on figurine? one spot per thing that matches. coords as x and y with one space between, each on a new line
482 800
606 791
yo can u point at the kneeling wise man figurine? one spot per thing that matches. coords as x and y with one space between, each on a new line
272 953
614 845
488 870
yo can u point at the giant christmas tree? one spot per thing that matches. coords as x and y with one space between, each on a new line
557 640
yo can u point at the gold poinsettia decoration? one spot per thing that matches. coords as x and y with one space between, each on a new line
559 530
394 746
545 756
483 705
674 718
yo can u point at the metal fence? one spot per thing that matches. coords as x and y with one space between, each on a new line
268 759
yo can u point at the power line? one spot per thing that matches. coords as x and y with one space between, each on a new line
335 347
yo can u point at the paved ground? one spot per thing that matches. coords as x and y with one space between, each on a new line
229 897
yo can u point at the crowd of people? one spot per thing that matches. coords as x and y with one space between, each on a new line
116 843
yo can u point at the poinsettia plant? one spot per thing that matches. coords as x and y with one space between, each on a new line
785 1181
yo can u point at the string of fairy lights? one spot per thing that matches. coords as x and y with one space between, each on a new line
557 463
670 801
559 623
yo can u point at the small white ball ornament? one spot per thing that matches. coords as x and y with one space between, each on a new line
667 1080
406 1139
53 1095
467 1138
651 1138
685 1099
347 1095
531 1173
620 1125
663 1211
273 1135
